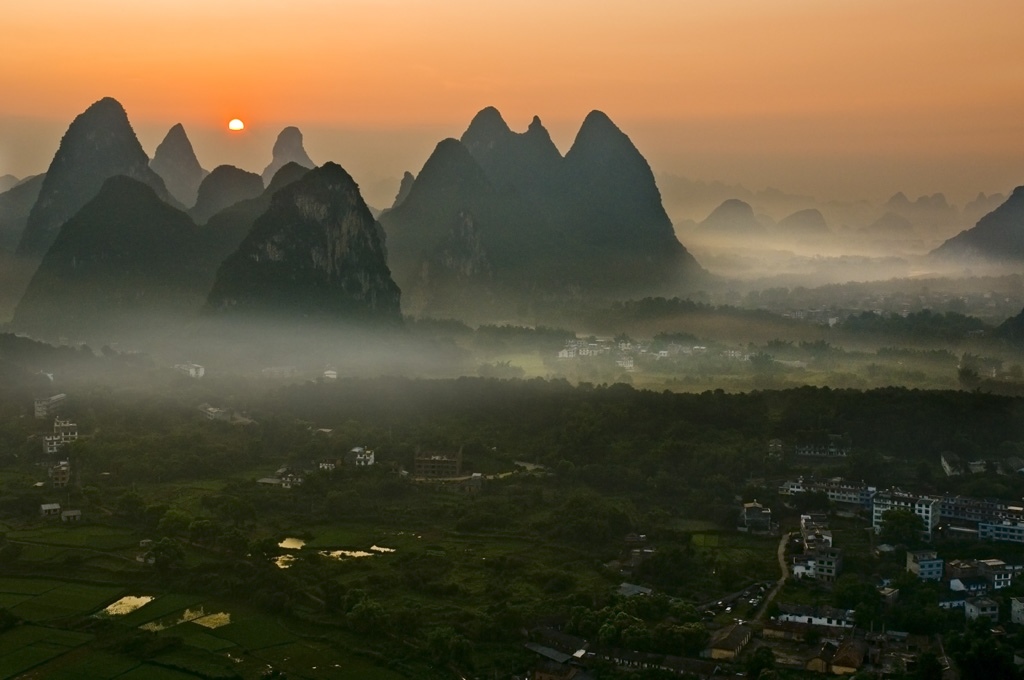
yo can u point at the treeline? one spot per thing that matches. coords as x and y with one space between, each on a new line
926 324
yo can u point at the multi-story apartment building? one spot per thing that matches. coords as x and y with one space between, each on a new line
925 564
925 507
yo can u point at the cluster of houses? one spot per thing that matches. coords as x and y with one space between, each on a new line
983 518
54 510
953 465
819 559
627 352
970 582
805 638
287 478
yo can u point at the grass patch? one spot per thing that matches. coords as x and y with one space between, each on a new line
27 586
197 636
87 665
253 631
68 600
150 671
306 660
163 605
25 658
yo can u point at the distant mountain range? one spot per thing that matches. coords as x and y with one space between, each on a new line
130 258
498 214
495 222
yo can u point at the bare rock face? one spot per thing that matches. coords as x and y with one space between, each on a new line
99 144
176 163
316 252
287 149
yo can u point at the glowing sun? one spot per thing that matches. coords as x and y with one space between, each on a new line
235 125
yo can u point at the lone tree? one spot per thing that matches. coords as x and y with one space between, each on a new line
901 527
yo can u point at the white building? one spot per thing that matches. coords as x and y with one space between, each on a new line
191 370
925 507
64 432
44 408
360 457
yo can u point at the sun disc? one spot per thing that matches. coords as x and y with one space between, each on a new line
236 125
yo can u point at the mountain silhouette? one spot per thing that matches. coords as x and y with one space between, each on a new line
500 214
404 187
226 230
15 205
175 161
316 252
224 187
998 236
124 257
732 218
1012 329
526 162
99 144
891 224
287 149
808 222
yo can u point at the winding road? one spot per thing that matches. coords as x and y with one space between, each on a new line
784 568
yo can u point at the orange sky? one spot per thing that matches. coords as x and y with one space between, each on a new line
837 98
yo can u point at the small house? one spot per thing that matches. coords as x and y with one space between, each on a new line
49 509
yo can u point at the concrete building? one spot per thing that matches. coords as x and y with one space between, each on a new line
437 464
925 564
925 507
50 406
360 456
191 370
1017 610
64 432
978 607
60 474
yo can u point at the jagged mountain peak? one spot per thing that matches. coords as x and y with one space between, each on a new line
316 251
175 161
404 187
99 143
288 148
487 128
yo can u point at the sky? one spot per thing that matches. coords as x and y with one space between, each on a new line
831 98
